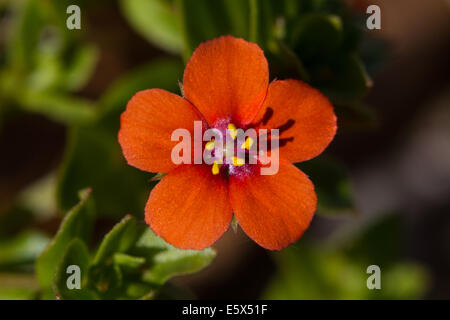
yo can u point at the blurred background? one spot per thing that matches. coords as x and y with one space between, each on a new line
383 184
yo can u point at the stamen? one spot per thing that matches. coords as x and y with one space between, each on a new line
209 145
215 168
247 144
233 130
238 162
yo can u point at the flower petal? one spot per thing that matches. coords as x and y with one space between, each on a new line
189 208
273 210
303 115
146 127
227 78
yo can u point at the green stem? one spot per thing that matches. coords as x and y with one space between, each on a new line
186 47
253 34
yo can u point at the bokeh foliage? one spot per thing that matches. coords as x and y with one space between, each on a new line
43 67
338 270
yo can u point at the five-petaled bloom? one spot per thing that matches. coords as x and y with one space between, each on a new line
226 85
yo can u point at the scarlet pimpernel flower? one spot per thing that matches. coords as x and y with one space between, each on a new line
226 87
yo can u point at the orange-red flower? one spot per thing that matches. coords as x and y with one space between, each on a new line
226 83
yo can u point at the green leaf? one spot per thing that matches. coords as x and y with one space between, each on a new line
127 261
118 240
284 62
155 20
39 197
306 272
108 280
76 224
376 242
171 291
254 21
24 34
77 255
81 67
59 107
175 262
167 261
339 270
317 34
405 281
204 20
23 248
313 272
18 286
344 80
331 185
163 73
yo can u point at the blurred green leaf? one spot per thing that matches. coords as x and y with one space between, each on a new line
76 224
254 21
405 281
331 185
118 240
23 248
16 293
156 20
167 261
59 107
376 242
141 291
311 272
171 291
44 62
77 255
81 67
24 35
339 270
39 197
17 286
163 73
284 62
204 20
317 34
344 79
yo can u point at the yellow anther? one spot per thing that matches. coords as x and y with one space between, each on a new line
216 167
209 145
233 130
247 144
238 162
